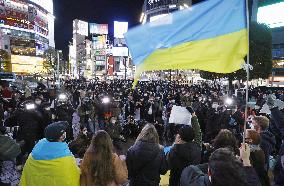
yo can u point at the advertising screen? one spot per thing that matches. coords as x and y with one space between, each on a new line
272 15
120 28
26 64
81 27
154 18
120 51
101 29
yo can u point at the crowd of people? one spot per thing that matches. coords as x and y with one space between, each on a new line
77 134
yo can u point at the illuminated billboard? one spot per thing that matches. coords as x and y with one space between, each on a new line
101 29
81 27
46 4
27 64
120 51
21 15
271 15
120 28
154 18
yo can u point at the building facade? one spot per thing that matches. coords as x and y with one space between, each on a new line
26 32
154 9
275 21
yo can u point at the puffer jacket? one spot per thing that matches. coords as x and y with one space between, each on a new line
145 163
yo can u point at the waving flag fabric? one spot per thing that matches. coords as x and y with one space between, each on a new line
210 36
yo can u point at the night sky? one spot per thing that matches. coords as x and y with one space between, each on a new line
98 11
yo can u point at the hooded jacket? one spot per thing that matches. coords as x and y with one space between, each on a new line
181 156
50 164
145 162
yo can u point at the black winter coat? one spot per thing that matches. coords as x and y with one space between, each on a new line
145 163
181 156
278 171
129 109
28 122
193 176
267 144
279 168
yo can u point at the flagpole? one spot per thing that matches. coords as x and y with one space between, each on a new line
247 68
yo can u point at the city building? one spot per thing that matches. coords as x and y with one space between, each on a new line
155 9
122 65
26 32
271 13
100 49
77 49
93 55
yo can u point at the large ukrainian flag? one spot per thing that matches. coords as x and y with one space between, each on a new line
210 36
50 164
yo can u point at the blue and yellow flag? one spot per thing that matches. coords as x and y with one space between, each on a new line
50 164
210 36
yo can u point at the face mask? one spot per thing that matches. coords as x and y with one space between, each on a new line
38 102
251 126
64 137
113 121
85 133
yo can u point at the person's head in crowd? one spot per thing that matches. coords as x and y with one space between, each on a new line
84 130
101 167
226 139
151 99
148 134
38 100
252 137
113 120
130 119
56 132
158 97
260 123
185 135
225 169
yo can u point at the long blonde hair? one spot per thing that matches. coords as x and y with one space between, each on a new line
148 134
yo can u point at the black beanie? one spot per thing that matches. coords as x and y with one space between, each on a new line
55 130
